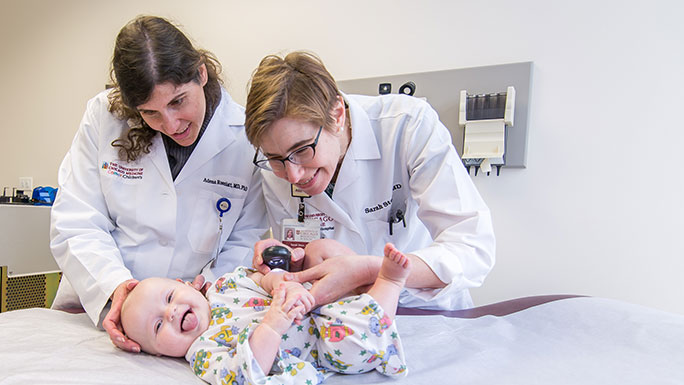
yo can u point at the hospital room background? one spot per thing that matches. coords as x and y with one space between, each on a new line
596 211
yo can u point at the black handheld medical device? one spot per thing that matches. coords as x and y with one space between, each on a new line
277 257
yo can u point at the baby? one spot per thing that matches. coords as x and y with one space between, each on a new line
252 325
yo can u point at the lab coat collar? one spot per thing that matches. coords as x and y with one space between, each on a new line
161 162
364 146
219 134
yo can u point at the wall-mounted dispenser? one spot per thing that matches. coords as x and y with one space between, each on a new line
485 119
441 90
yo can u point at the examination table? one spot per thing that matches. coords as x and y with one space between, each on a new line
536 340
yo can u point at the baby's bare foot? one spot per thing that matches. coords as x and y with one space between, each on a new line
395 266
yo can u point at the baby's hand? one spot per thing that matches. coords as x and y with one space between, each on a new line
295 289
283 311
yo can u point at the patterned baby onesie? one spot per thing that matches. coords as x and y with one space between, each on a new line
349 336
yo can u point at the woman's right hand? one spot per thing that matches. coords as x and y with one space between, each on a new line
112 321
258 262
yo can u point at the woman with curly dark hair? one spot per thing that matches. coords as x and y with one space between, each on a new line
158 180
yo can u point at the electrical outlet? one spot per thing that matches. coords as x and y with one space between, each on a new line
26 183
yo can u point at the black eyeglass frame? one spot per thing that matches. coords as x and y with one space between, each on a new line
264 163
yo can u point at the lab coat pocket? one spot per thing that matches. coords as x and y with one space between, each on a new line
204 229
379 234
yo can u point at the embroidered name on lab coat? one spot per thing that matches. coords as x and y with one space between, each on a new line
377 207
115 169
384 204
227 184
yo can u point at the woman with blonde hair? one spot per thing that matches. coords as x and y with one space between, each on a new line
364 171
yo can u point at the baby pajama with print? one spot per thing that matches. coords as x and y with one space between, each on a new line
348 336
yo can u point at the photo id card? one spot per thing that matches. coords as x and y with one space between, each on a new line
299 234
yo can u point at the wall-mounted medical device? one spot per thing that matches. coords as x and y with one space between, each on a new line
485 119
442 90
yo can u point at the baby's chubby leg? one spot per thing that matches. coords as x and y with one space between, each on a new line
394 271
358 333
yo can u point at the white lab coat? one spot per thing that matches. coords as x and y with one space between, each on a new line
113 220
401 157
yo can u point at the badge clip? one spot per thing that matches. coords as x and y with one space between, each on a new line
223 205
298 193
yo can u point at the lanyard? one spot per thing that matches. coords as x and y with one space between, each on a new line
295 192
223 205
301 211
298 232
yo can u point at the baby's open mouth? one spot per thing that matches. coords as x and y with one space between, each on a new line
189 321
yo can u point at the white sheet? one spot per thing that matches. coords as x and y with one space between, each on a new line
572 341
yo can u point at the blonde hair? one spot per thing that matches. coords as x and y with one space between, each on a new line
296 86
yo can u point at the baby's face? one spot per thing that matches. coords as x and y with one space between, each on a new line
165 316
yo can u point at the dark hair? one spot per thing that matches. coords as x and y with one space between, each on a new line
296 86
150 50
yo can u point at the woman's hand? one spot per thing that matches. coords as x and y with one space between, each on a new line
198 283
336 277
297 255
112 321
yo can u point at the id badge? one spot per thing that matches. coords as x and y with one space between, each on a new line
299 234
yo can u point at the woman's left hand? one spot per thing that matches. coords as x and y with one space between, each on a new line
336 277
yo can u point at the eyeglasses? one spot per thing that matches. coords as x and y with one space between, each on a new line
301 155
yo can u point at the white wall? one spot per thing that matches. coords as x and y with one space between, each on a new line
598 210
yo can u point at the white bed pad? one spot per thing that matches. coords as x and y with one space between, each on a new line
571 341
